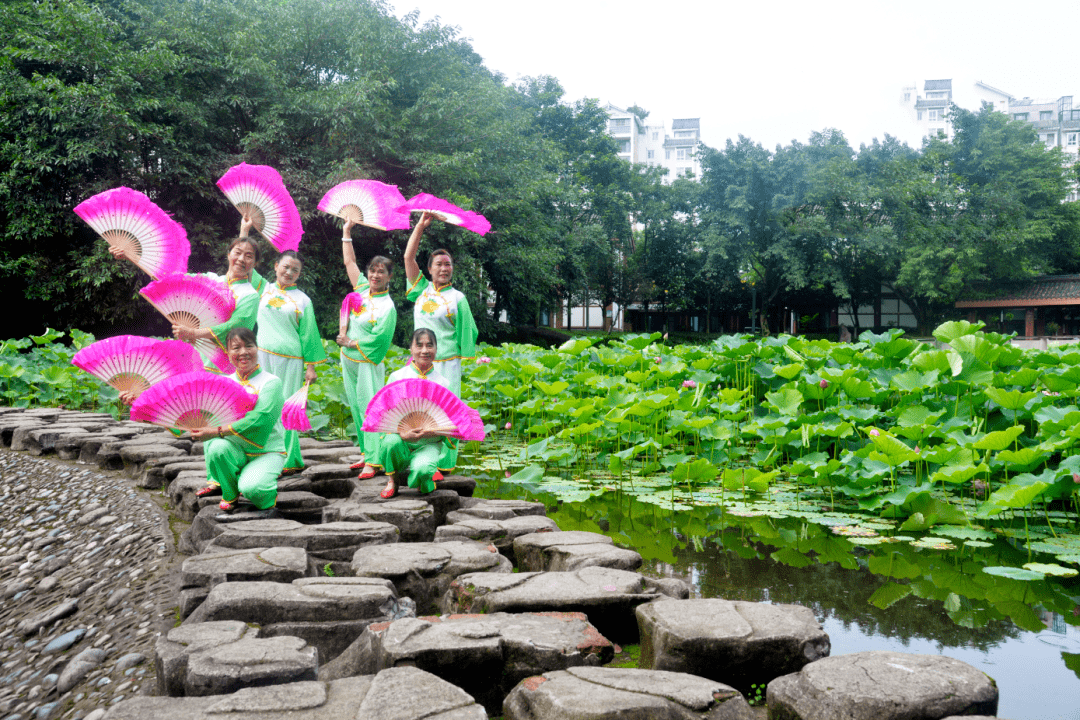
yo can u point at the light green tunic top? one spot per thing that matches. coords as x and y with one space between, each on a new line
445 311
287 325
247 293
260 431
372 327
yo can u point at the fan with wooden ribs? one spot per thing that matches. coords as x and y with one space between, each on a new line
195 301
367 202
259 193
132 364
193 400
146 234
423 404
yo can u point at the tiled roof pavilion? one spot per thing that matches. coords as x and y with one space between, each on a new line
1043 291
1048 291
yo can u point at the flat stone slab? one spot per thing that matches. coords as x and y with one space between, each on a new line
414 519
882 685
484 655
396 694
442 501
329 541
573 550
607 596
615 693
500 533
329 613
173 650
503 509
250 662
424 571
735 642
201 573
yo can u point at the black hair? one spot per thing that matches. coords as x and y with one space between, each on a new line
437 253
380 260
425 331
288 253
246 335
249 241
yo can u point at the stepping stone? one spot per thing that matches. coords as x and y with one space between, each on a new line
328 613
503 509
199 574
500 533
424 571
313 444
414 519
42 440
484 655
607 596
172 650
396 694
883 685
182 497
463 486
616 693
735 642
329 542
442 501
136 456
333 455
573 550
250 663
8 427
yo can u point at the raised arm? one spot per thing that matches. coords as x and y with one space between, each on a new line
412 270
348 254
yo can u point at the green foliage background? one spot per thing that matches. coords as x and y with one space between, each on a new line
165 95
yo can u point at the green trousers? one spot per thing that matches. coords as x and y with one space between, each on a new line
420 458
254 477
291 373
362 380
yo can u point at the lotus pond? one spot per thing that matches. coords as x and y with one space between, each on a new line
920 496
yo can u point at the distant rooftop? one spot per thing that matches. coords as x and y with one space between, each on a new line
686 124
937 85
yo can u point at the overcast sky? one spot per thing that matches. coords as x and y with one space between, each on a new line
773 71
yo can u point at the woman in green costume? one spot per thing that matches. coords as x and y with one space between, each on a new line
245 284
445 311
289 342
417 451
368 319
246 458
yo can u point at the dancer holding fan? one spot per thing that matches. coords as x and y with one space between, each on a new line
289 342
445 311
418 451
368 320
246 457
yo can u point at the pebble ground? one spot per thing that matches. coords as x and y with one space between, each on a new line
87 582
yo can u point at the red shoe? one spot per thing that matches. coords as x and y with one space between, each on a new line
358 465
436 477
389 491
227 506
369 472
291 471
203 492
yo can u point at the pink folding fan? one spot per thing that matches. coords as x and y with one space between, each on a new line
423 404
258 192
195 301
447 212
129 220
193 400
131 363
353 303
368 202
294 413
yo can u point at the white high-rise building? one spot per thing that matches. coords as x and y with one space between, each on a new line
654 145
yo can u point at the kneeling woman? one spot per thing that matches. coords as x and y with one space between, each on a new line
245 458
416 450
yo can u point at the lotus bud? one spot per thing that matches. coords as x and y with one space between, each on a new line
823 384
978 487
1076 478
874 432
689 384
508 426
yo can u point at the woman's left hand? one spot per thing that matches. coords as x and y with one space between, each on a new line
413 434
309 374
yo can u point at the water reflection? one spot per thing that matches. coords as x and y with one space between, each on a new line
890 596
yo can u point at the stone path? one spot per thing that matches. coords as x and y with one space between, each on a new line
324 595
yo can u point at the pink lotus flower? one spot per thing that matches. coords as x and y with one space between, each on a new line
506 473
656 360
978 487
1076 478
874 432
483 360
823 384
665 336
917 450
689 384
508 426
